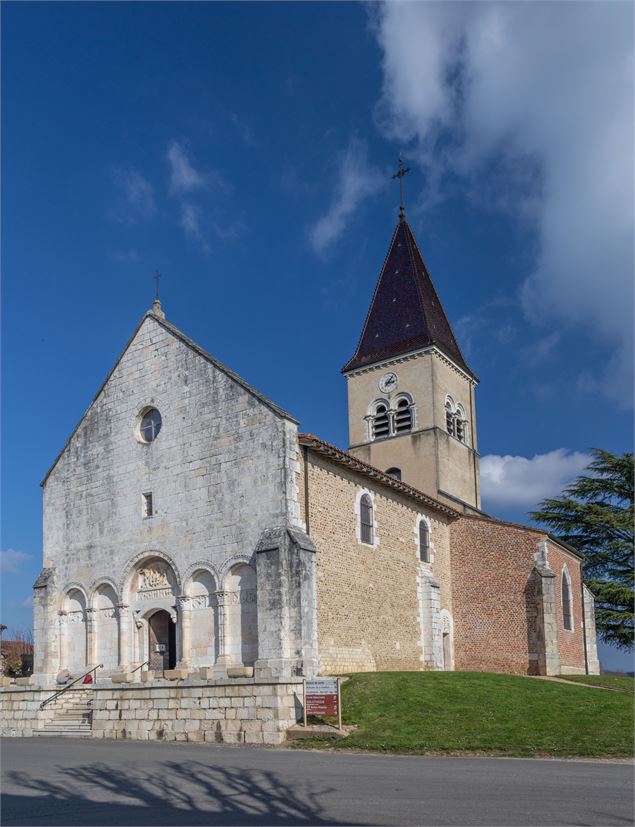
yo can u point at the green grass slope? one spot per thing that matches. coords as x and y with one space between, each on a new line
482 712
622 682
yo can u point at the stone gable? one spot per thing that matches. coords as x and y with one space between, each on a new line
219 456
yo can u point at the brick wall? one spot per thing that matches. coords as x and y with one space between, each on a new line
571 643
495 600
368 603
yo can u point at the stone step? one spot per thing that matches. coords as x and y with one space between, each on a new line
61 733
72 713
299 732
78 727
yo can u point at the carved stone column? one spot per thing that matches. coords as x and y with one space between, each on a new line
185 616
63 638
223 659
91 637
124 636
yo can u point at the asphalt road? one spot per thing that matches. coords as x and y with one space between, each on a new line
73 782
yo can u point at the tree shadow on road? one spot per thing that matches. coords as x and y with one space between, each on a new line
186 792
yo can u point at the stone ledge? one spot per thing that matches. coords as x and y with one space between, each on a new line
121 677
298 732
240 671
175 674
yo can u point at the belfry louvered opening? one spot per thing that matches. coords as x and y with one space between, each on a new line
403 417
381 422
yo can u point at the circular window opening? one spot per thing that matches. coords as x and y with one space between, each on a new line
150 425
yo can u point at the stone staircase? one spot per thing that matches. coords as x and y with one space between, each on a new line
72 715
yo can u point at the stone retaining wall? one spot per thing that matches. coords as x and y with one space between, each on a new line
243 712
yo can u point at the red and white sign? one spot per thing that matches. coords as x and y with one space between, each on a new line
322 697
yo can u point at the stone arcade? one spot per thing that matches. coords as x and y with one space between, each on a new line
191 531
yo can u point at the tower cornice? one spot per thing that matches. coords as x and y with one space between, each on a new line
383 364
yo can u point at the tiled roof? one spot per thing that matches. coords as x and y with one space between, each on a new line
405 313
348 460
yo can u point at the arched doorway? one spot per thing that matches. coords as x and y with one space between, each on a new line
161 641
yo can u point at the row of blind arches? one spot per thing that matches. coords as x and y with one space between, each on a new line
367 528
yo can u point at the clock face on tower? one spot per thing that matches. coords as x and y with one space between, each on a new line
388 382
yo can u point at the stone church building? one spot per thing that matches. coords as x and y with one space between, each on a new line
192 529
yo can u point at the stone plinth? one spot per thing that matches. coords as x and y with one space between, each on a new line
237 712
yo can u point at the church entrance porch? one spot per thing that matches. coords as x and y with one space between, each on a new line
161 641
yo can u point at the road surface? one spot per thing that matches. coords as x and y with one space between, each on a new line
54 781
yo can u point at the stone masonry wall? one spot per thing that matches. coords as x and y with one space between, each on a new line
240 713
369 615
218 471
495 593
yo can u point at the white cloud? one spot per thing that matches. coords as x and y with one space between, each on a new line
356 180
27 603
183 176
523 482
128 256
537 97
243 129
138 195
191 223
11 561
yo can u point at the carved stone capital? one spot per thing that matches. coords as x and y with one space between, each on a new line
223 597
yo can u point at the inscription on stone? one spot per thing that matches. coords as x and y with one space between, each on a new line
154 594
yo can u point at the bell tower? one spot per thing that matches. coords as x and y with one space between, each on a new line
411 407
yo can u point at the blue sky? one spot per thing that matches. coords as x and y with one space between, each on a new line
246 152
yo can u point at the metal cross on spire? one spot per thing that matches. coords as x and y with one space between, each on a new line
157 277
400 175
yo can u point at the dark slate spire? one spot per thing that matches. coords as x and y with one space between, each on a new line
405 313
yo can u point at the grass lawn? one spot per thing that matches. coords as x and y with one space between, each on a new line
610 681
481 712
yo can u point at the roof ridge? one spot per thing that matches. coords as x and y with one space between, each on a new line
345 458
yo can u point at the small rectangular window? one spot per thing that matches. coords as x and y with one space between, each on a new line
366 520
424 542
148 508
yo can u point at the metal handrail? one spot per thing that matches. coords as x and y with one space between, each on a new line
68 686
141 665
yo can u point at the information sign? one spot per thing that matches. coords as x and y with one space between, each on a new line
322 697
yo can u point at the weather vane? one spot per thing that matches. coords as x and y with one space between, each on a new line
157 277
400 175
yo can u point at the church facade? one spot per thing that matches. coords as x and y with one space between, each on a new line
192 529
